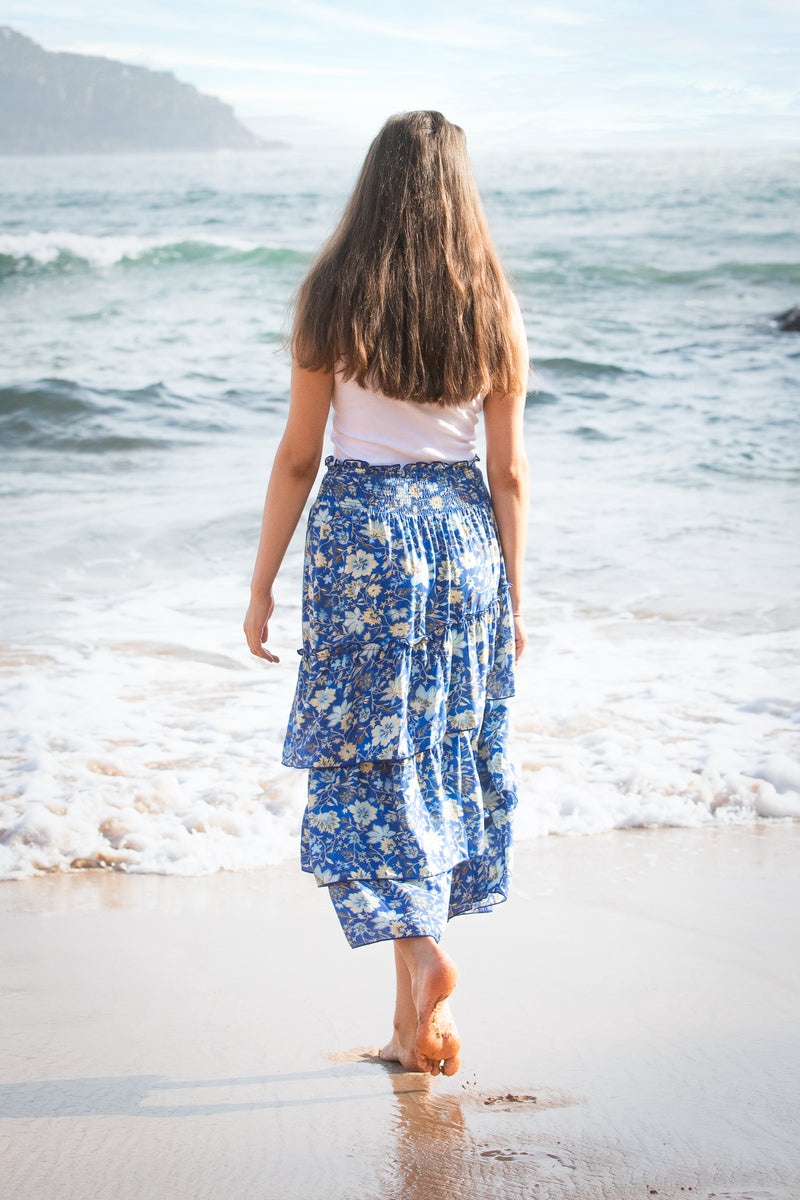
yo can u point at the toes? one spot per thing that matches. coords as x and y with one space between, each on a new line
451 1065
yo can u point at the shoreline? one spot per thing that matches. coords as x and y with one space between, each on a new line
630 1027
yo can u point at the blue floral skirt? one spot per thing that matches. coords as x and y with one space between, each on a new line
399 712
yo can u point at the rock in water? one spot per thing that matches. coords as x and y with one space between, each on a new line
789 321
55 103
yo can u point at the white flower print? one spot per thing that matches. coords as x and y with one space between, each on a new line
325 822
385 917
363 812
457 641
360 564
379 834
341 715
362 902
396 689
385 733
427 702
449 572
353 622
376 531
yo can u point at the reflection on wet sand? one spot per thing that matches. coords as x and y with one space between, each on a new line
473 1144
432 1150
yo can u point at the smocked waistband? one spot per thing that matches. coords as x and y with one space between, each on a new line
417 486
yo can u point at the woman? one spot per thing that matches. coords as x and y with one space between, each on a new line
412 608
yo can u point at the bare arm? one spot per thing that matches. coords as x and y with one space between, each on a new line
293 473
507 474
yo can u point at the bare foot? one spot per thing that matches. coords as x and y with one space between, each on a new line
425 1036
401 1049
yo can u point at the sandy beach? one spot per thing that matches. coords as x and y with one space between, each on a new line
630 1021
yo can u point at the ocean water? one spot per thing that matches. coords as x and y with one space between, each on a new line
142 393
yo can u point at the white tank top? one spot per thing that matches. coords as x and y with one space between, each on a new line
381 431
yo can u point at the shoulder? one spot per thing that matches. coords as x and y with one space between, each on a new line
519 340
518 322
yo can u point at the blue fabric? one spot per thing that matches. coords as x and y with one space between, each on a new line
399 713
392 908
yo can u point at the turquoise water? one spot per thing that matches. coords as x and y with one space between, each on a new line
144 302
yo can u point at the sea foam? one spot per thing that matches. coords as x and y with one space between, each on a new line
66 249
164 756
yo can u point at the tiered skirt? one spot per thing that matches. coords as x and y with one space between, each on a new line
400 712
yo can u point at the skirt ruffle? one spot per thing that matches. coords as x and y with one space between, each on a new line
389 698
418 816
377 910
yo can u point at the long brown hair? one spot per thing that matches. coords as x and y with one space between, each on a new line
408 296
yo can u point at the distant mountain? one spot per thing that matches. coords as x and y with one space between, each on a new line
57 103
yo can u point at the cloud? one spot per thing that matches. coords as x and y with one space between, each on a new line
546 14
466 33
147 54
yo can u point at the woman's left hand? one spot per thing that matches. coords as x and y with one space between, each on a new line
256 623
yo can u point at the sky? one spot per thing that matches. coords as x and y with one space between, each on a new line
513 73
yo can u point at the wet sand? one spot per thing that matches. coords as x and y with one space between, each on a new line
631 1028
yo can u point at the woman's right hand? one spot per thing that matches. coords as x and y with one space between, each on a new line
520 636
255 625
